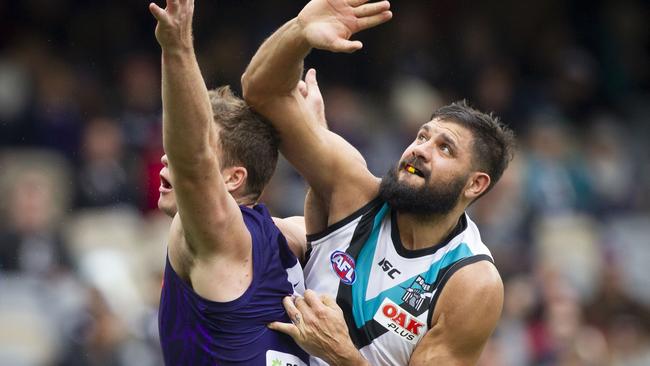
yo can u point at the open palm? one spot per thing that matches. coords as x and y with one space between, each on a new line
329 24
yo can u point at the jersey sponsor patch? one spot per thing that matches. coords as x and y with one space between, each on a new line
276 358
343 266
399 321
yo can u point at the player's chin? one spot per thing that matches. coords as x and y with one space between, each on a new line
167 205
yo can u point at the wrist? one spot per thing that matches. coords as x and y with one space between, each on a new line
297 27
177 52
349 356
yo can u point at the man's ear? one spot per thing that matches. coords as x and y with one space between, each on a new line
477 185
234 177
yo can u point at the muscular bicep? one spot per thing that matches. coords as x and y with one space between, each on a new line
465 316
330 165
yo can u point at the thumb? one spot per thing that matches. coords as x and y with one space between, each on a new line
286 328
157 12
310 78
344 45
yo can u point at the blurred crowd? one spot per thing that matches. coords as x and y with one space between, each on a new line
82 246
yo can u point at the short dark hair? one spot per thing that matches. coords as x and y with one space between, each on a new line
493 144
246 138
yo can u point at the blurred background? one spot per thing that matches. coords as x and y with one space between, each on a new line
82 246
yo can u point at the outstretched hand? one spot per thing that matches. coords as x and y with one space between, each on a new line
329 24
318 326
174 29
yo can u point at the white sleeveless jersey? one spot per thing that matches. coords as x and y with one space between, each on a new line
386 291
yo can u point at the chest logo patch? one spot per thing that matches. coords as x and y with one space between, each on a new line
418 296
399 321
343 266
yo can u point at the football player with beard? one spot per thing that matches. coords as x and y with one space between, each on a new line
397 274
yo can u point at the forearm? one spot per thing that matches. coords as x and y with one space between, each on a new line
277 66
187 115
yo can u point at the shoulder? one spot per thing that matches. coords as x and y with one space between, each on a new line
476 287
470 305
465 316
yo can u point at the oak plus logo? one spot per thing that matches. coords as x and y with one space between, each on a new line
343 266
399 321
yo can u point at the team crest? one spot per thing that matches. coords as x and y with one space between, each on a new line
343 266
418 294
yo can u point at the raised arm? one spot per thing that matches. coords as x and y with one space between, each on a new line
269 84
315 219
210 220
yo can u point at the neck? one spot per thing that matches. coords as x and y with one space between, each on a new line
418 232
248 200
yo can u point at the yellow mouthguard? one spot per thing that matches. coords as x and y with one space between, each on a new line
411 170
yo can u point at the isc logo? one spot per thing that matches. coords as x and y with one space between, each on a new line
397 320
343 266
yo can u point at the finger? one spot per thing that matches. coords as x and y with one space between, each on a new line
344 45
286 328
356 2
310 79
172 5
312 86
189 5
157 12
302 88
374 20
305 312
312 299
371 9
328 301
292 310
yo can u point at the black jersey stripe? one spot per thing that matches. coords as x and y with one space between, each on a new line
344 299
330 229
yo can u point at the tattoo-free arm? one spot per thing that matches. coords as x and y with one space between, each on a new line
467 312
210 217
269 86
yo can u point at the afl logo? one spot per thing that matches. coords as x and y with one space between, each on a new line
343 266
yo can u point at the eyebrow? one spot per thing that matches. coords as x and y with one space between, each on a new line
448 140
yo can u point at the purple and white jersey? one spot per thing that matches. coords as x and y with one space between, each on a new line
197 331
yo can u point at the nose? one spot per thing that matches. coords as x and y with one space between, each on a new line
422 151
164 160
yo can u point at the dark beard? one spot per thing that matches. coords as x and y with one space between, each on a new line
427 200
